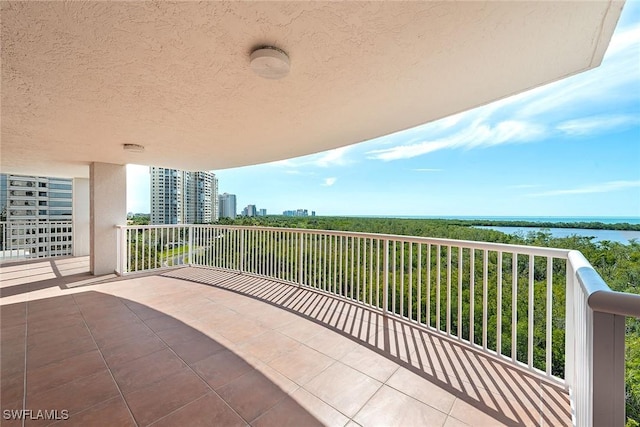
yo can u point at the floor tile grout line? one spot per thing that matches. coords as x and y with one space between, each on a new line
301 386
105 363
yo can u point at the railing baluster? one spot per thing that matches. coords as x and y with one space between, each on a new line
472 299
335 264
300 258
530 313
377 281
410 281
438 281
419 284
485 295
549 346
514 306
499 306
393 274
448 328
352 284
460 272
385 289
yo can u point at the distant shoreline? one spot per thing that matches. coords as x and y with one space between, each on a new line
589 223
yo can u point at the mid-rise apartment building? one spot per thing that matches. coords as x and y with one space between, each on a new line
250 210
37 215
182 197
297 212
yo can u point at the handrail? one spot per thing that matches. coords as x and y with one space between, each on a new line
503 247
600 297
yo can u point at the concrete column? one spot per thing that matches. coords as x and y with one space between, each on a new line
108 208
81 217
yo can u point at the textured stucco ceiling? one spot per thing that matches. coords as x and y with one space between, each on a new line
79 79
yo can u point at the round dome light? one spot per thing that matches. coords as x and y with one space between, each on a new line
270 62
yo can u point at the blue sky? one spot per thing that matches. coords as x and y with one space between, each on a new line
570 148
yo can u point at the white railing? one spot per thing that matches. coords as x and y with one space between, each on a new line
596 345
35 239
529 306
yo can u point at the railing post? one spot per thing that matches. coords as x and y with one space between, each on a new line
119 251
608 370
190 246
385 289
300 256
123 259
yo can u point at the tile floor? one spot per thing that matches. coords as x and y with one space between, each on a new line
204 347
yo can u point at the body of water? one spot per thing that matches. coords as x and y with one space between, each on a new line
621 236
602 219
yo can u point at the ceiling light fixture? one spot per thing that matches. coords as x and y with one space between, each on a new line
270 62
134 148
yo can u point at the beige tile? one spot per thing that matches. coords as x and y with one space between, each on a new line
300 409
64 371
111 413
301 330
269 345
343 387
301 364
370 363
146 370
389 407
241 330
251 394
276 377
421 389
206 411
165 396
221 368
332 344
453 422
471 415
76 396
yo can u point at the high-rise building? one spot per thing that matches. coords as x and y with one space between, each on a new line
227 205
262 212
250 210
182 197
38 213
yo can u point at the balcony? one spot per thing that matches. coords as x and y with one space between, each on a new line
262 326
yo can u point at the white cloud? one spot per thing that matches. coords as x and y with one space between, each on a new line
328 182
604 187
477 134
335 157
593 124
